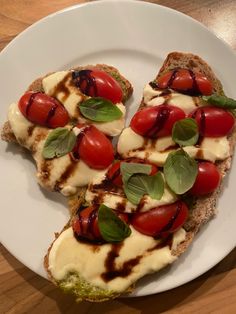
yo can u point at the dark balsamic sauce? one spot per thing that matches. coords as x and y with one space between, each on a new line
112 271
85 82
62 88
161 118
172 220
30 103
51 114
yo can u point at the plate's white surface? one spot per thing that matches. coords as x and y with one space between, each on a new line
134 37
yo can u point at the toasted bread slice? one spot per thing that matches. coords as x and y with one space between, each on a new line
204 207
6 131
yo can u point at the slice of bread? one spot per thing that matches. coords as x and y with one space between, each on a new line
6 131
203 209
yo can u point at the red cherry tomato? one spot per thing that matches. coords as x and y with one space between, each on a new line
208 179
186 81
156 121
114 173
94 148
161 220
213 121
42 109
98 83
85 224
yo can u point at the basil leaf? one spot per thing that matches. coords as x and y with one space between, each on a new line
180 171
141 184
220 101
185 132
59 142
112 228
100 110
129 168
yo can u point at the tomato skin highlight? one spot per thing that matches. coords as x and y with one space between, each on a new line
213 121
186 81
208 179
97 83
85 223
114 173
94 148
161 220
43 110
156 121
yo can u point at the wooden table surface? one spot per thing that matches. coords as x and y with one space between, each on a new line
22 291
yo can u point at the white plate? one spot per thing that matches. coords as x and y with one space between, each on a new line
135 37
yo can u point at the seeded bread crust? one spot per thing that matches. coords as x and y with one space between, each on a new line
6 132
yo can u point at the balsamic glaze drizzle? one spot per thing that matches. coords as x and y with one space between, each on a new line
84 81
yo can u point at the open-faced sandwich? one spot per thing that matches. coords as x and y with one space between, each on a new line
141 211
65 119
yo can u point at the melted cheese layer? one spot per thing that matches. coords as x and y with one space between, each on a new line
62 173
68 255
211 149
119 202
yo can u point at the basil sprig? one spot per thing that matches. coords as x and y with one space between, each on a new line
180 171
59 142
185 132
111 227
138 182
100 110
220 101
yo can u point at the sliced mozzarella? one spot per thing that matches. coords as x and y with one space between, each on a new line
118 201
211 149
62 173
67 256
153 97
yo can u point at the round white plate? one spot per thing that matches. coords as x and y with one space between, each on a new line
135 37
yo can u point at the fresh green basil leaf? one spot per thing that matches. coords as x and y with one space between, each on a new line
112 228
59 142
100 110
129 168
180 171
185 132
220 101
140 184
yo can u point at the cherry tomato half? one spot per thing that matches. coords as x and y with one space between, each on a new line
94 148
161 220
187 81
98 83
42 109
156 121
213 121
114 173
208 179
85 223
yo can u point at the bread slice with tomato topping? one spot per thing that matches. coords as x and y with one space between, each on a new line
107 191
68 108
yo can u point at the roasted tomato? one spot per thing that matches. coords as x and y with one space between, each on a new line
186 81
85 223
208 179
156 121
43 110
98 83
161 220
93 147
213 121
114 173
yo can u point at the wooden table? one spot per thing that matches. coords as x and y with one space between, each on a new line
22 291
